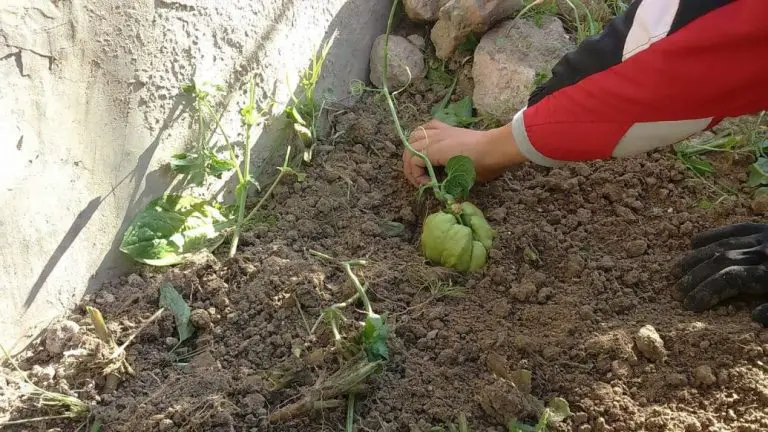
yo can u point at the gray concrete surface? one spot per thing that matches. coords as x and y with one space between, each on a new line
90 113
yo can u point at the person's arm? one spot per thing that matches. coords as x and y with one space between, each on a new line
659 73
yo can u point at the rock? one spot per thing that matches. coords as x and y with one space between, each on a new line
458 18
574 266
405 65
497 215
507 60
44 374
105 298
704 375
523 291
650 343
201 319
636 248
58 336
135 280
422 10
165 425
676 380
417 41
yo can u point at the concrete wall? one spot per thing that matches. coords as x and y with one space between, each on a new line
90 113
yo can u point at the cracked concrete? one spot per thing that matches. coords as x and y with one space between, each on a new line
90 112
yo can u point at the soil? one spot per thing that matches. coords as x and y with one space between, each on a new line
582 263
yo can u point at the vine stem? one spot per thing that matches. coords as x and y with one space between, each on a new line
245 177
385 89
359 288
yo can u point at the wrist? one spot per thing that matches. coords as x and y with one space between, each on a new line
502 141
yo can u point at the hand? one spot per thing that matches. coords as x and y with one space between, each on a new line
724 263
492 151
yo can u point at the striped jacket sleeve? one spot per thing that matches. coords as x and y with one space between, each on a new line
659 73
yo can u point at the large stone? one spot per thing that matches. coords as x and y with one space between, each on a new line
507 60
458 18
405 62
422 10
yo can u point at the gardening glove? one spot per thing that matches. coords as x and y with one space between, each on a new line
460 242
724 263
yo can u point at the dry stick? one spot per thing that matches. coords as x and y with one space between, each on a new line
343 381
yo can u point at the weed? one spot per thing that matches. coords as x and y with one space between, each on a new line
368 350
66 407
304 111
736 138
536 10
556 411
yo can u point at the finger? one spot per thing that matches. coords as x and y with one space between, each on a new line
422 179
719 262
726 284
760 314
408 168
697 256
728 231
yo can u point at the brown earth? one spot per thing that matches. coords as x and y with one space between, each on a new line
581 264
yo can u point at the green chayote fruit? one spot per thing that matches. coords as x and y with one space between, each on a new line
460 245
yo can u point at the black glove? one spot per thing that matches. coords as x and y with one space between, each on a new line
724 263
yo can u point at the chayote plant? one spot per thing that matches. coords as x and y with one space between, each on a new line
459 238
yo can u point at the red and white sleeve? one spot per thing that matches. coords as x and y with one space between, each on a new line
659 73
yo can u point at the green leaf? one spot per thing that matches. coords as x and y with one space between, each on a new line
183 163
461 176
96 426
171 299
217 166
375 333
518 426
171 227
456 113
558 410
758 173
469 43
439 76
761 191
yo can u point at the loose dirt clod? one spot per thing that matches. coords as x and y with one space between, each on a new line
650 343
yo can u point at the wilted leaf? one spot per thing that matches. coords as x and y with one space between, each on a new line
522 380
171 227
375 333
460 172
758 173
558 410
697 164
300 176
172 300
